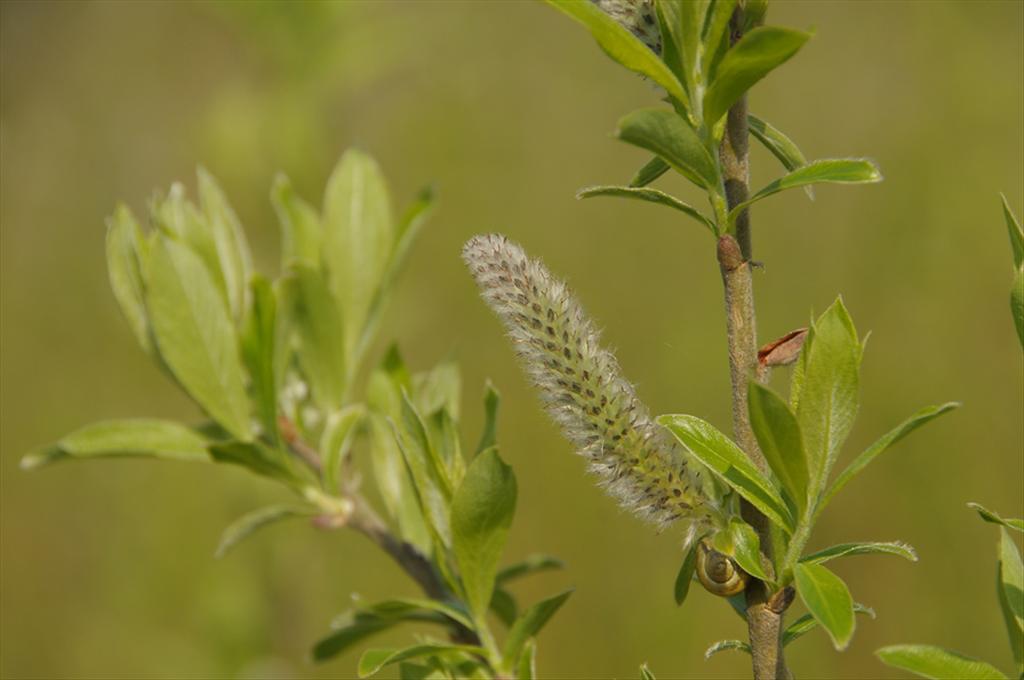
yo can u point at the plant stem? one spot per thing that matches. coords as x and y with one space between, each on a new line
764 612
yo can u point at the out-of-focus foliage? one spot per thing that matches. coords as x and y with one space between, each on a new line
110 565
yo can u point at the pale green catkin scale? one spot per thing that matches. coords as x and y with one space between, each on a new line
636 15
583 390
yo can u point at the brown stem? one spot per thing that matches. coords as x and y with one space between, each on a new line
765 609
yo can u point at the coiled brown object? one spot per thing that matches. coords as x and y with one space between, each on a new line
719 573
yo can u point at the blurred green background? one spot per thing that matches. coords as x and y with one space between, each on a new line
507 107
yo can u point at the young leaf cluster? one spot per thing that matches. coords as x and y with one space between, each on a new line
274 364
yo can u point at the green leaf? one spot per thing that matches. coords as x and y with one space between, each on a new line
258 459
685 576
300 226
531 565
755 55
437 389
355 625
481 514
828 599
729 462
807 623
1013 628
649 195
260 354
1016 234
527 666
622 46
845 549
443 432
319 334
395 484
1017 304
828 398
336 442
124 265
715 37
669 136
251 522
229 241
530 623
196 336
828 171
781 146
429 475
992 517
645 673
725 646
504 606
1012 576
888 439
375 659
928 661
124 438
779 436
489 436
358 238
652 170
408 229
740 542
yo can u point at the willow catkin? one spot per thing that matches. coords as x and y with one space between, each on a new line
582 389
638 16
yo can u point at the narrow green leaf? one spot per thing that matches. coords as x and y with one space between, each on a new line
489 436
336 442
258 459
229 241
669 136
729 462
430 478
481 514
778 434
740 542
829 399
124 266
725 646
443 432
251 522
531 565
1016 234
928 661
828 599
685 576
408 230
355 625
645 673
300 226
1013 628
196 336
259 337
652 170
124 438
888 439
715 36
1017 304
649 195
530 623
689 23
846 549
807 623
1012 575
827 171
319 334
667 14
504 606
358 238
622 46
989 516
439 388
375 659
752 58
527 667
781 146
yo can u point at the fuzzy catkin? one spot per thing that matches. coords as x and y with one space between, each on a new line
582 389
636 15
